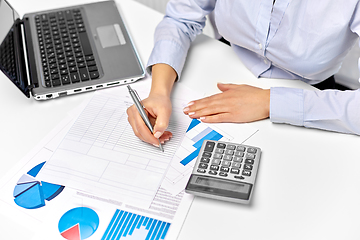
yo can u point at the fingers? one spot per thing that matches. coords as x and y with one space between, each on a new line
139 127
224 87
206 106
237 103
217 118
161 122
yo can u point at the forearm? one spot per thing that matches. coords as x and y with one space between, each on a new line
329 110
163 78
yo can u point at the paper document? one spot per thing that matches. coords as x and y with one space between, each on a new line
101 155
26 202
53 211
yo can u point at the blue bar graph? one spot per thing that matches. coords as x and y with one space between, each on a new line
207 134
202 134
190 157
126 225
193 124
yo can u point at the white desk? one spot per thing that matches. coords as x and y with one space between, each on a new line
308 181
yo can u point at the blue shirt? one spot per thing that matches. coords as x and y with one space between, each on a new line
292 39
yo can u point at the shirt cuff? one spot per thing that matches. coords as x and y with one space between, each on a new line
168 52
287 106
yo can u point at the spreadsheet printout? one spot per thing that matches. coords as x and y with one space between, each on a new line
100 154
32 209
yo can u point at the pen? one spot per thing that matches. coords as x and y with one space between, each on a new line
142 112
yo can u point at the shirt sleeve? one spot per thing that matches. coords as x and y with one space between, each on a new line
184 20
330 110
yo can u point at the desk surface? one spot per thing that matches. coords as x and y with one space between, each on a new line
308 182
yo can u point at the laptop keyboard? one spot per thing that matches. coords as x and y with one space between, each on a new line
65 49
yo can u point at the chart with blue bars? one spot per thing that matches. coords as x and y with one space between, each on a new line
127 225
206 134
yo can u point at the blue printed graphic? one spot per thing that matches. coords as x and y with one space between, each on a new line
78 223
207 134
30 193
127 225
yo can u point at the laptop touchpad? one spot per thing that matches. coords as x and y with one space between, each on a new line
110 36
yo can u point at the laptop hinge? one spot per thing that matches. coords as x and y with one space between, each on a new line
29 54
13 40
30 84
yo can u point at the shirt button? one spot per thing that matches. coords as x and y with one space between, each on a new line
260 46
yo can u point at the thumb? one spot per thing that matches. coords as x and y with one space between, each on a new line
161 124
224 87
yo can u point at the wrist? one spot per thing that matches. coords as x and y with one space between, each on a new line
267 102
163 78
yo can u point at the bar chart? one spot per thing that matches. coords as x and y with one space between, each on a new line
206 134
127 225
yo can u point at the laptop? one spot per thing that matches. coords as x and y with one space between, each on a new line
65 51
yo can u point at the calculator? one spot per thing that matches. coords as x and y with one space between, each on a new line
225 171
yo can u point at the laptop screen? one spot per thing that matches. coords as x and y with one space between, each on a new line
11 57
7 18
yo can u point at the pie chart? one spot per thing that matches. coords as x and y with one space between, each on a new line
30 193
78 223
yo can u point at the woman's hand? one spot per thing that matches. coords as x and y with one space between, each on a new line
236 103
158 109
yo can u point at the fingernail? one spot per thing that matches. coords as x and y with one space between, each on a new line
155 145
166 139
157 134
202 118
186 109
191 113
189 104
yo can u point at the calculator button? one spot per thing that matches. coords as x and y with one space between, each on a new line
235 171
221 145
219 150
246 173
236 165
212 172
209 147
229 152
226 163
223 174
239 177
201 170
214 167
249 161
203 165
238 159
206 154
218 156
205 160
251 150
224 169
240 148
239 154
248 167
228 157
231 147
216 162
250 156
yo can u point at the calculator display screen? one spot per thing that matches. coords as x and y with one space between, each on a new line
217 187
215 183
